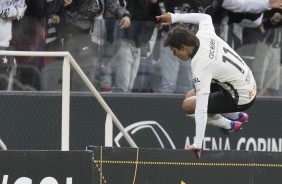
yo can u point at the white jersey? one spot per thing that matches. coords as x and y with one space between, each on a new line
216 62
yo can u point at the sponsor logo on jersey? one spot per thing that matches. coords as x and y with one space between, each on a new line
196 80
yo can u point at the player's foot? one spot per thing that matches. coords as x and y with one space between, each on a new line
235 127
243 117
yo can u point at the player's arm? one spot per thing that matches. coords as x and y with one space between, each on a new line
191 18
201 117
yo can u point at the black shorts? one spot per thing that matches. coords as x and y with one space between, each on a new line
220 101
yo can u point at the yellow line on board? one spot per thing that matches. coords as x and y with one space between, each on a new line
188 163
101 171
136 164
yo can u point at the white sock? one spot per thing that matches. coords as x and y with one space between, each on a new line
216 120
232 115
219 121
191 115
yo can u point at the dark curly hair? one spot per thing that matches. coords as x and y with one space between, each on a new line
180 35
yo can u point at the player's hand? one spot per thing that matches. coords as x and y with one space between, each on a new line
165 19
196 151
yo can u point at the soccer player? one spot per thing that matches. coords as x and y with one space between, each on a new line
224 85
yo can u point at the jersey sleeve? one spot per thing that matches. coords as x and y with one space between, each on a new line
201 117
203 20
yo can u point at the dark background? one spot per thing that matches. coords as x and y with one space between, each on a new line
32 121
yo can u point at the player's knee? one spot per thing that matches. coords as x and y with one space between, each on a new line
188 109
190 93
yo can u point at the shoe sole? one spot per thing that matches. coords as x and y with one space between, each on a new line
234 130
245 119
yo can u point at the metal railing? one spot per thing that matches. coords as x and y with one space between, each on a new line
68 61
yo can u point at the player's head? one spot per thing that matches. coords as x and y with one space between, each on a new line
182 42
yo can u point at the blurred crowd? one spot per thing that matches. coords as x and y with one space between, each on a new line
119 44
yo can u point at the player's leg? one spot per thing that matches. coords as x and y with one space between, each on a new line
240 115
237 116
219 121
189 105
221 102
227 126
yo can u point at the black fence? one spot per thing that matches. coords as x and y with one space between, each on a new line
32 121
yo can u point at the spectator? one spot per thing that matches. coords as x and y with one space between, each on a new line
179 78
108 37
29 34
9 11
263 45
53 38
78 22
264 32
125 62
